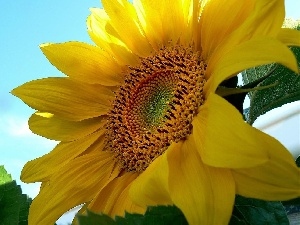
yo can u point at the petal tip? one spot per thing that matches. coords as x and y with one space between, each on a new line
44 45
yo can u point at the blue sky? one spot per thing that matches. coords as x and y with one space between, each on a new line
25 25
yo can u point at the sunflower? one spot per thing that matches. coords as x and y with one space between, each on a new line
137 117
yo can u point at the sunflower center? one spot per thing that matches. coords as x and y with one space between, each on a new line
150 100
155 106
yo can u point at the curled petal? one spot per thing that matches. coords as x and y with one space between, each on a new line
224 140
277 179
289 37
255 52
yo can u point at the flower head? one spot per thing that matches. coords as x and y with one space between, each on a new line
138 119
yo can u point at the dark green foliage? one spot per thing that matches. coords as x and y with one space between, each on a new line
246 212
298 161
250 211
14 205
293 205
236 99
160 215
286 87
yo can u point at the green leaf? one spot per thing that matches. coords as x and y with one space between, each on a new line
25 202
234 220
258 212
159 215
287 89
95 219
14 206
258 73
4 176
246 212
293 205
298 161
292 202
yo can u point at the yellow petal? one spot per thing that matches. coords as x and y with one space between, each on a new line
77 182
44 114
276 180
84 62
159 24
204 194
42 168
224 140
197 9
289 37
221 19
124 20
265 20
114 200
105 36
64 130
249 54
151 187
66 98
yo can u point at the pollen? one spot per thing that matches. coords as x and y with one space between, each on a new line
155 106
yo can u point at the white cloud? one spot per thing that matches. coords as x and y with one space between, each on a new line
19 145
17 126
14 125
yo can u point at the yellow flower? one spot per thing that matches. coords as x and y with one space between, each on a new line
138 119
